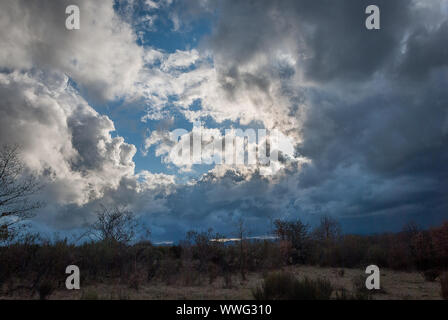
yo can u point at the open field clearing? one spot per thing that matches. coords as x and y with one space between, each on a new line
394 285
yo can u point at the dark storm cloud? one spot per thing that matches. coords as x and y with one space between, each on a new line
330 34
391 130
376 124
376 120
426 50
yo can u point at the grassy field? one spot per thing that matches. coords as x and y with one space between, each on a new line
394 285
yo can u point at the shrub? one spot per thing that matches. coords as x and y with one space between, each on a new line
296 234
359 288
169 267
284 286
45 288
270 257
189 275
344 294
123 295
134 282
430 275
199 246
227 280
399 256
377 255
444 286
213 272
352 251
422 251
286 251
439 238
153 269
89 294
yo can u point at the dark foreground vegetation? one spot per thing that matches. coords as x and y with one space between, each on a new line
36 267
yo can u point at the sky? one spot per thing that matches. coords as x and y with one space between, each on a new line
365 112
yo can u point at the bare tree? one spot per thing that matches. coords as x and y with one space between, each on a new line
329 229
16 190
115 224
242 235
411 228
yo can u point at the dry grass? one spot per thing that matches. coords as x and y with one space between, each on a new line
394 284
